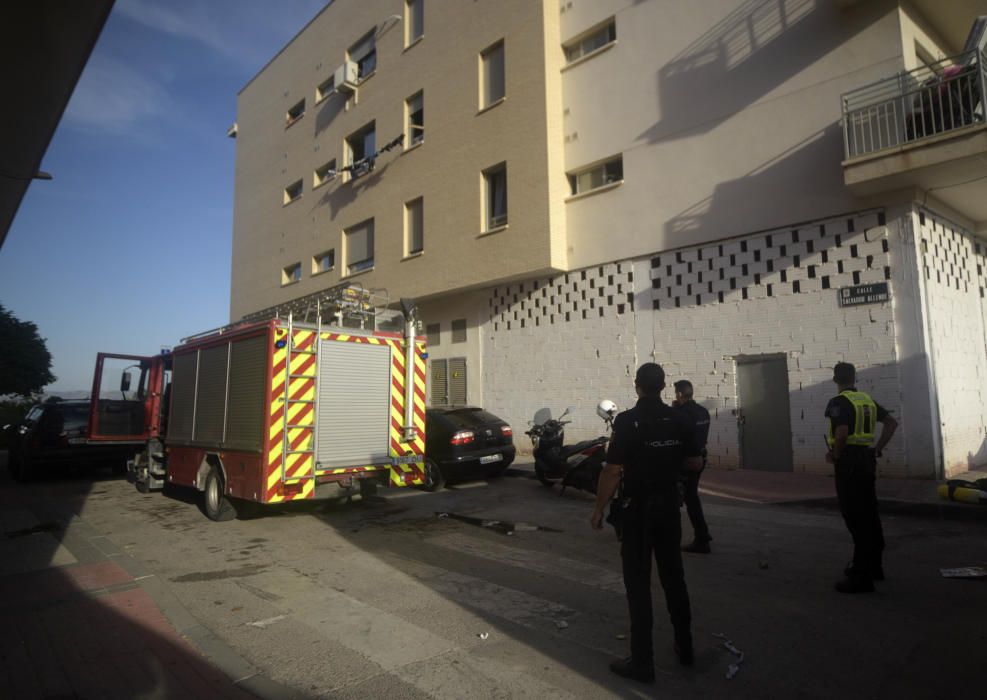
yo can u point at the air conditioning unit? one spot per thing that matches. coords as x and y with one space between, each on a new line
346 77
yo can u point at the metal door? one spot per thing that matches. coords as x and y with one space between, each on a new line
438 394
124 397
457 381
354 404
448 382
763 415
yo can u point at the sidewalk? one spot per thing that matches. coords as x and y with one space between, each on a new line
82 619
917 497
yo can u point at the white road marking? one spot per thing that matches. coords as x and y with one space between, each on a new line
562 567
545 616
431 662
386 639
267 621
711 492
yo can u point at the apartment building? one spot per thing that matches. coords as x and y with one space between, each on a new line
746 191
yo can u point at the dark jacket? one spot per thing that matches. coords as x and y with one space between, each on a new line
652 441
699 417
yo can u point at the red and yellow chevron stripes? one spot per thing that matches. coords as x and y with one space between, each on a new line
293 386
292 406
399 447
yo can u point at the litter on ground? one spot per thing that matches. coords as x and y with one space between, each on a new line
734 668
965 572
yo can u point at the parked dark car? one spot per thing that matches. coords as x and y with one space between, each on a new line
465 442
53 437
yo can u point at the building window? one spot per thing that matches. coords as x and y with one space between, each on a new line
495 197
292 192
606 173
325 89
414 21
359 247
323 262
492 75
590 41
295 113
433 333
415 110
459 331
361 146
414 226
364 54
291 274
325 173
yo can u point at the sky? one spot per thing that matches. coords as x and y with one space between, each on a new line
128 248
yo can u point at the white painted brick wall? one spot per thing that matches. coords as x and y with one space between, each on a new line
558 364
957 321
808 326
579 361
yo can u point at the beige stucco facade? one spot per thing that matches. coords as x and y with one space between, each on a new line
726 120
716 108
461 141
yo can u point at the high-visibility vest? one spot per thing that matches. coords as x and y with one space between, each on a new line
865 420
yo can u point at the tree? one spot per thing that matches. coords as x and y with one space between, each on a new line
25 363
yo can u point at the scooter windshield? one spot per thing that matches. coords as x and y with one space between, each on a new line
542 416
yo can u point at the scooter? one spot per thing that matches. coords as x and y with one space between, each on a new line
576 465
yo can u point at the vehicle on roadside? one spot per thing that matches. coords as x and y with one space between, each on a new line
317 398
465 442
577 465
53 437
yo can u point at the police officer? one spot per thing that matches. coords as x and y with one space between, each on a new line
852 418
651 443
699 417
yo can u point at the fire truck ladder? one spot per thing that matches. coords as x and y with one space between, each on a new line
300 390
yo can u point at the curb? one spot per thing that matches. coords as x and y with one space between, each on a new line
960 512
88 546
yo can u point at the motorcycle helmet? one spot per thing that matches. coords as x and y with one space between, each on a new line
607 409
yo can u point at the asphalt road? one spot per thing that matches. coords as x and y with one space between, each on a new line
512 595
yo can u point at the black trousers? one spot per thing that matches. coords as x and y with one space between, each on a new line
653 528
694 508
856 472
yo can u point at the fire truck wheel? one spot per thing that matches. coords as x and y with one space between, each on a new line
368 488
433 476
218 506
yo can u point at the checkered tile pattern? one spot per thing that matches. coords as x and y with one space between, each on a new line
796 260
596 292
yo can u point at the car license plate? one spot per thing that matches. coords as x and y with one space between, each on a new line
406 459
491 458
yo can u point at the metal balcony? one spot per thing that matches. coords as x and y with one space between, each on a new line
914 107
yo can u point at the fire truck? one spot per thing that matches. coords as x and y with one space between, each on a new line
319 397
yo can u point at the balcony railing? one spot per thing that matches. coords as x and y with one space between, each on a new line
915 105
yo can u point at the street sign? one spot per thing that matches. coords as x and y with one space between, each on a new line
864 294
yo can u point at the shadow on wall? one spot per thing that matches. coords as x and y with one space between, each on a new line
339 195
328 110
743 57
978 460
795 176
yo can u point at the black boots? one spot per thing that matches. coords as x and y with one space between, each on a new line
855 584
876 574
697 547
626 668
